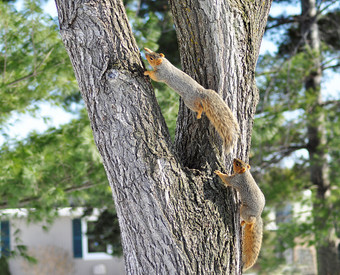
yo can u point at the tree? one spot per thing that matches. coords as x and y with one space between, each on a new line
174 216
294 84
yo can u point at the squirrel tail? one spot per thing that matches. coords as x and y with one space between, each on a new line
252 240
222 118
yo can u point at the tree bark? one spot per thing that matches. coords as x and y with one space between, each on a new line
174 219
326 245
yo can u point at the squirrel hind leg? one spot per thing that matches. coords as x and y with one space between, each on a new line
247 215
197 107
199 110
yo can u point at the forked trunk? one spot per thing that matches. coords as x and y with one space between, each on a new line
174 219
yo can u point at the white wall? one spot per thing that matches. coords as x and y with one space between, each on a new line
55 246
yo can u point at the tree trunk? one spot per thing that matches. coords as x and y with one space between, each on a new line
174 219
327 255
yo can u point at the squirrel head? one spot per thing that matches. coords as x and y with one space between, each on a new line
153 58
240 166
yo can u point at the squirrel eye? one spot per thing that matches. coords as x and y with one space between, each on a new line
151 58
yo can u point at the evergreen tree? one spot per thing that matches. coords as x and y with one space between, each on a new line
297 119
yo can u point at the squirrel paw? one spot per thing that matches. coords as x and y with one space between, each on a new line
219 173
146 73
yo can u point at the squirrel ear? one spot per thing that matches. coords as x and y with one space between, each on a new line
162 55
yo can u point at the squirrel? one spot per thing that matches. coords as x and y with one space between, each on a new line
252 204
195 97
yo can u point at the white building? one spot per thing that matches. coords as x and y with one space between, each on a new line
61 249
302 258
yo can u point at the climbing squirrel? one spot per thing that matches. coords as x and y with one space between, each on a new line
195 97
252 204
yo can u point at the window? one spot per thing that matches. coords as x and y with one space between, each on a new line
85 245
94 244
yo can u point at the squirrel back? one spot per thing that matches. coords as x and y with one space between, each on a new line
195 97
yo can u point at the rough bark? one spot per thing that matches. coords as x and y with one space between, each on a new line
327 254
174 219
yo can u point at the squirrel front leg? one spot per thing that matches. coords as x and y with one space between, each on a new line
224 177
151 74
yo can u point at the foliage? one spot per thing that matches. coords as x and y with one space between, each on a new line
62 167
4 267
280 144
33 63
43 170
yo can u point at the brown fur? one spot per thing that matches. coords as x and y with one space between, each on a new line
252 241
222 118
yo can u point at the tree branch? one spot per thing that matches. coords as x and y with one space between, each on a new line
331 67
34 73
67 190
281 153
281 21
319 10
330 102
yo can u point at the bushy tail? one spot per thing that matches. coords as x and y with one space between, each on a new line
222 118
252 240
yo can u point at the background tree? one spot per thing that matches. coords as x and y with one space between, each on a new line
171 216
295 116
